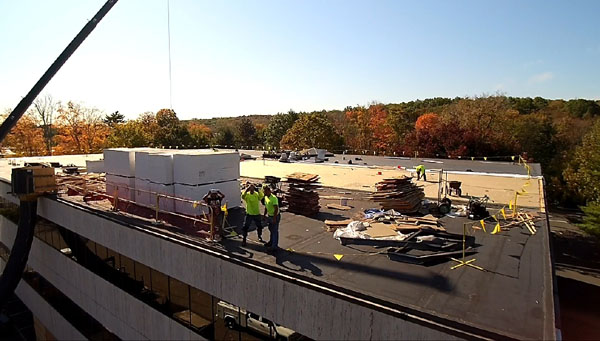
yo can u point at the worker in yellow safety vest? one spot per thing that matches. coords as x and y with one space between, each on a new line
252 198
421 172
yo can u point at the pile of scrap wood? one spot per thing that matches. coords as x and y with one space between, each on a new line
302 196
387 225
399 194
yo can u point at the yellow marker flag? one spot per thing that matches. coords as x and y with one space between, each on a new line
485 158
338 256
496 219
513 158
483 225
496 228
510 205
195 204
472 158
289 249
503 213
232 234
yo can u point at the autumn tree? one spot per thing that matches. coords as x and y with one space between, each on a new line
170 131
278 127
26 138
45 108
130 134
245 133
81 129
200 134
311 130
358 132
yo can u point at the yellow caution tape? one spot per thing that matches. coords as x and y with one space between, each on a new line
503 213
510 205
483 225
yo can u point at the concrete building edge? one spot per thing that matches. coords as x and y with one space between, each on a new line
52 319
554 333
60 286
457 328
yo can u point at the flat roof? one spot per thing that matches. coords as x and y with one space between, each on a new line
512 298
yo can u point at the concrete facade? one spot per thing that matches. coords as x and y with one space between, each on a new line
124 315
317 312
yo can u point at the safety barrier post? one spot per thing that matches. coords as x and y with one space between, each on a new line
157 205
116 199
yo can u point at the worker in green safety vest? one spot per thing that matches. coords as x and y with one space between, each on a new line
421 172
252 198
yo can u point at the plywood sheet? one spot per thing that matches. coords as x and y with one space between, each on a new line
377 230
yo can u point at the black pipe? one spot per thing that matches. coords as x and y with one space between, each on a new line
19 254
20 109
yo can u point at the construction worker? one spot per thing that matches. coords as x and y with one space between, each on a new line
421 172
213 198
273 217
252 198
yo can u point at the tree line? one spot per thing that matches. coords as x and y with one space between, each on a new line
564 136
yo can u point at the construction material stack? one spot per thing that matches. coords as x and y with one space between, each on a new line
154 179
302 196
398 193
196 172
119 165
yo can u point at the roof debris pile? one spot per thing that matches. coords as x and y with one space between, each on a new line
398 193
302 197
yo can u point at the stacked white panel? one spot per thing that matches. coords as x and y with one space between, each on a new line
119 161
231 190
164 204
155 166
142 192
121 186
94 166
203 167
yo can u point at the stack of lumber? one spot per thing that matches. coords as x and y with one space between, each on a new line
399 194
414 223
302 196
332 225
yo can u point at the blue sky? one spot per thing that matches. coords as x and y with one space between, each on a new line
245 57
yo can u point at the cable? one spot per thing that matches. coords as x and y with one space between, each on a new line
169 39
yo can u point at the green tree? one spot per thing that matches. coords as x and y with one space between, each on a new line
224 137
278 127
170 131
130 134
312 130
583 173
591 219
246 133
114 118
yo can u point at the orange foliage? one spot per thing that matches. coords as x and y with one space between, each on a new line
430 121
80 130
382 133
26 138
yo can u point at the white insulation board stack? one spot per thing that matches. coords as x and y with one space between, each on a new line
120 161
231 190
205 166
94 166
142 192
164 204
122 186
155 166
